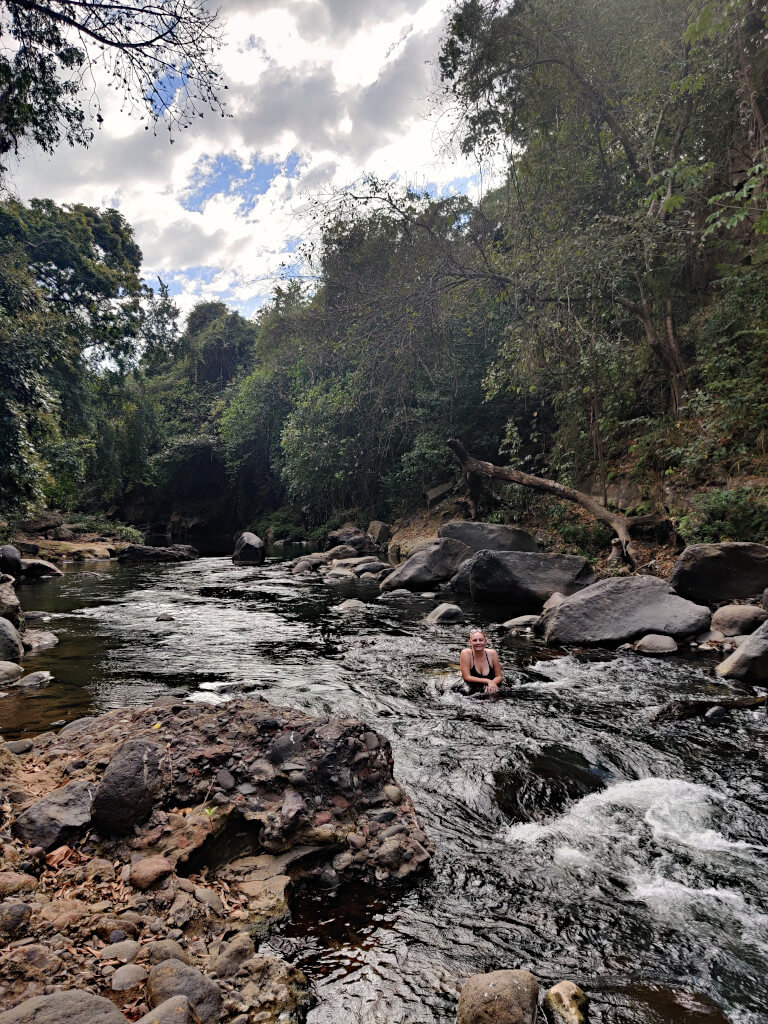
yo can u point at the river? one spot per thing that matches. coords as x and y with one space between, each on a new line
573 836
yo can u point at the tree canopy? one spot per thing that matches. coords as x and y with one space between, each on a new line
160 56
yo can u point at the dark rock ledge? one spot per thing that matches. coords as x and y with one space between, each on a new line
146 854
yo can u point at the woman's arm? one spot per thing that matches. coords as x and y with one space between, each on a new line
493 684
465 663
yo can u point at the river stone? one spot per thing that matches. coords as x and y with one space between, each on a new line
13 882
352 536
14 917
57 817
72 1005
174 978
233 956
131 783
749 662
566 1003
432 562
176 1010
525 579
380 532
11 647
488 536
738 619
249 550
521 623
764 599
713 573
165 949
144 553
655 643
10 560
501 997
38 569
623 608
35 680
446 614
34 640
349 607
9 603
148 870
10 672
126 951
127 977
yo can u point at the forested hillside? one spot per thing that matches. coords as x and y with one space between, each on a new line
602 315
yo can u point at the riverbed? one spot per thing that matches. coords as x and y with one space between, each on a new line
574 837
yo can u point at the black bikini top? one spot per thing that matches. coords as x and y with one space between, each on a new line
474 672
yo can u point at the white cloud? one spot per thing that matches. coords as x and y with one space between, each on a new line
341 84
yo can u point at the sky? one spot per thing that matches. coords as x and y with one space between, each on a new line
321 92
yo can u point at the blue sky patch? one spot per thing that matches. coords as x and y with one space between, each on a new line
224 174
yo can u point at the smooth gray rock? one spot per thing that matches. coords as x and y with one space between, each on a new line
623 608
233 956
131 783
10 560
127 977
655 643
10 608
525 579
10 672
488 536
70 1007
38 640
174 978
39 569
738 619
379 532
749 662
176 1010
57 817
431 563
521 623
11 647
446 614
35 680
500 997
349 607
249 550
713 573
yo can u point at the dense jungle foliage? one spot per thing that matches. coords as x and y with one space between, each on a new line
603 314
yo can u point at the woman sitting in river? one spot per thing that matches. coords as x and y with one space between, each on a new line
480 665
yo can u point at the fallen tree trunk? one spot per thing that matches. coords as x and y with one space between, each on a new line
680 710
475 471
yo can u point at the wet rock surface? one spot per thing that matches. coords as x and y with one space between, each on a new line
623 608
226 812
144 553
249 550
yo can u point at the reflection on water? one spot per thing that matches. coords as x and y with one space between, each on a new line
573 836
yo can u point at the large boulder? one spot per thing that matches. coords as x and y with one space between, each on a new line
623 608
488 536
433 562
713 573
353 536
10 560
738 619
11 647
9 603
49 822
249 550
144 553
501 997
525 579
73 1006
131 783
39 569
749 662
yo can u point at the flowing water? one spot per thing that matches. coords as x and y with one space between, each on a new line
574 837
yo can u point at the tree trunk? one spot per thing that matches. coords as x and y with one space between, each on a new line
474 470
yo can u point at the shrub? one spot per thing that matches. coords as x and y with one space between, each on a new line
739 514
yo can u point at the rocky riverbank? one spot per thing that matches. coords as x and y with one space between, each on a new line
147 854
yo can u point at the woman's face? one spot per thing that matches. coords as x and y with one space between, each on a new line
477 641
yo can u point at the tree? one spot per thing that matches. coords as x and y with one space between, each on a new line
161 55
